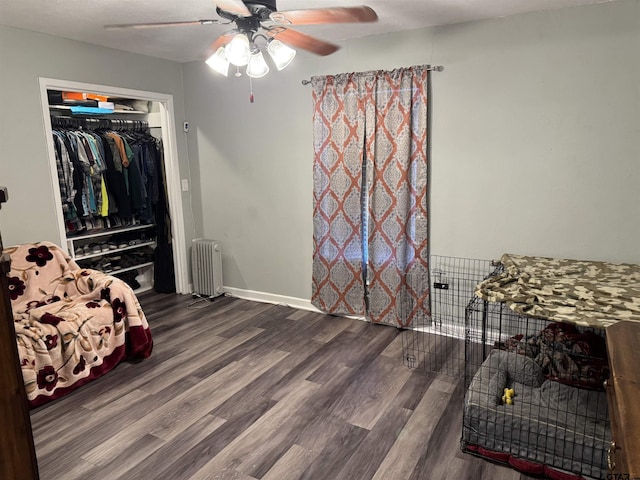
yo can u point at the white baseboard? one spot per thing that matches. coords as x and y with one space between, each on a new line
264 297
455 331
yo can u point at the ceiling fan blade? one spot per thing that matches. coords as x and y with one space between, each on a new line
237 7
302 40
161 24
325 15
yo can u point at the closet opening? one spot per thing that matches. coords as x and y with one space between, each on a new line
127 217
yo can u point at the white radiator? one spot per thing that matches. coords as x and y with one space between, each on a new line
206 267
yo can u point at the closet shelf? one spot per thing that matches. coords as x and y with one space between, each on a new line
144 287
115 250
115 271
115 111
102 232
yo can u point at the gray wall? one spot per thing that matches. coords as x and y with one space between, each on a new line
535 144
24 165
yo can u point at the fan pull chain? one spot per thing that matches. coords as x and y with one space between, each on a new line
250 89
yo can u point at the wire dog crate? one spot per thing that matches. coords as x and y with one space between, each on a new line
534 393
435 341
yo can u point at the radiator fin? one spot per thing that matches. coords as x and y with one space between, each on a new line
206 267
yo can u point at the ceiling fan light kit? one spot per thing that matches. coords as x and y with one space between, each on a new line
280 53
238 50
218 61
257 67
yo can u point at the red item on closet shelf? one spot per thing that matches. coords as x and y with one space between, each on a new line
83 96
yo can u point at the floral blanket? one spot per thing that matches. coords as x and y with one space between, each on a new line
595 294
72 324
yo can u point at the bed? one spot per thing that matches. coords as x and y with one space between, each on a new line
72 324
542 324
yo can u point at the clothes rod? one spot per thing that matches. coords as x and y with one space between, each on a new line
431 68
98 123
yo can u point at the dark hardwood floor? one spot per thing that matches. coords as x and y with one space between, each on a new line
243 390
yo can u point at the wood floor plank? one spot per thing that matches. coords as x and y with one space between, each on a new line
300 314
249 391
123 409
240 320
263 433
291 465
404 454
336 453
204 451
331 327
237 353
158 376
114 447
113 467
172 452
372 392
68 441
316 427
180 412
208 394
189 362
394 350
443 443
327 359
414 389
377 442
281 374
77 469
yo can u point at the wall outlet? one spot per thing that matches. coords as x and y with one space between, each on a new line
185 184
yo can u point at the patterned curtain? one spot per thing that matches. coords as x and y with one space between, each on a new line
371 182
338 123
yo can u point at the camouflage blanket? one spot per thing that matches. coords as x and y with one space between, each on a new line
595 294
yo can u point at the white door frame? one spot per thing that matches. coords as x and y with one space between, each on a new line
171 165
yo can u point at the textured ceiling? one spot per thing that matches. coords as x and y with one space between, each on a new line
84 20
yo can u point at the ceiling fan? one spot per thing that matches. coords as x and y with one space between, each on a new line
258 23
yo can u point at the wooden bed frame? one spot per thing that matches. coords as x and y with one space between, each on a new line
623 392
17 451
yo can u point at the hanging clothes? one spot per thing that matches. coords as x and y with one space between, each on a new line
164 279
65 168
107 177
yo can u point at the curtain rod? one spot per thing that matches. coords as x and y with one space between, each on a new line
432 68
